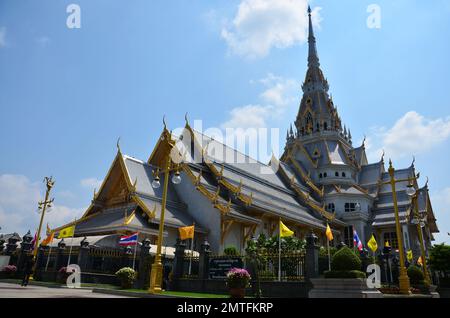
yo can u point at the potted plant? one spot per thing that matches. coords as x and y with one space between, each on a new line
238 279
127 276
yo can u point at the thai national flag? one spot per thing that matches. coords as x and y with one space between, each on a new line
129 239
357 241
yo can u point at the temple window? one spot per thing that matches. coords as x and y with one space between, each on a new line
325 126
325 175
343 175
348 236
336 174
320 176
391 237
331 208
350 207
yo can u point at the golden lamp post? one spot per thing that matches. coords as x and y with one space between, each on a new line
157 267
43 205
420 223
403 278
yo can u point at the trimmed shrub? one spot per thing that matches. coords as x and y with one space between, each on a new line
344 274
345 260
238 278
415 275
127 276
231 251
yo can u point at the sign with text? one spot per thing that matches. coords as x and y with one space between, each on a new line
219 267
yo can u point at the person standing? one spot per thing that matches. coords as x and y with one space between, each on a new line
28 270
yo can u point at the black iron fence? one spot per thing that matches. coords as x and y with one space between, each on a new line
287 266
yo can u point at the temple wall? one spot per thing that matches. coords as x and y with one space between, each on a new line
201 209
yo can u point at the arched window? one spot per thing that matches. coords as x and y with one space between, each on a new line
325 126
317 127
336 174
325 175
309 123
331 208
343 175
320 176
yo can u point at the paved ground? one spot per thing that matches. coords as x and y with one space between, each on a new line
8 290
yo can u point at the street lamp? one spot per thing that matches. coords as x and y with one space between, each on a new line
156 274
43 205
403 279
420 223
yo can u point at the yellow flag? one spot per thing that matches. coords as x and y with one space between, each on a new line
419 261
48 239
372 244
186 232
409 256
67 232
285 231
386 244
328 233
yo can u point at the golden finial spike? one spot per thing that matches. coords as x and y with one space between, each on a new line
186 119
118 145
164 122
414 160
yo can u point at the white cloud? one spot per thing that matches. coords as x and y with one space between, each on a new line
249 116
2 37
19 199
412 134
260 25
441 204
278 94
91 183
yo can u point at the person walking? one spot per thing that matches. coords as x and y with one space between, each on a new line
28 270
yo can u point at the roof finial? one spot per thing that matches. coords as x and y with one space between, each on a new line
164 122
313 59
186 119
118 145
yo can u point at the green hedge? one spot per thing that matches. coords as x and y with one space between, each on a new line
345 260
415 275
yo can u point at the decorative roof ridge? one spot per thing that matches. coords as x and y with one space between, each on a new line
251 176
174 204
236 150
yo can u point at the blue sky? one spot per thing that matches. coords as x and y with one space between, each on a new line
68 94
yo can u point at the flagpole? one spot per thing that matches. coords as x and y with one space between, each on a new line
329 260
135 248
71 241
279 250
48 257
192 251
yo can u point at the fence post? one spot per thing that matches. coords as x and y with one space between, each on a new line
203 260
12 244
312 256
178 262
144 265
83 255
59 255
25 248
2 247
